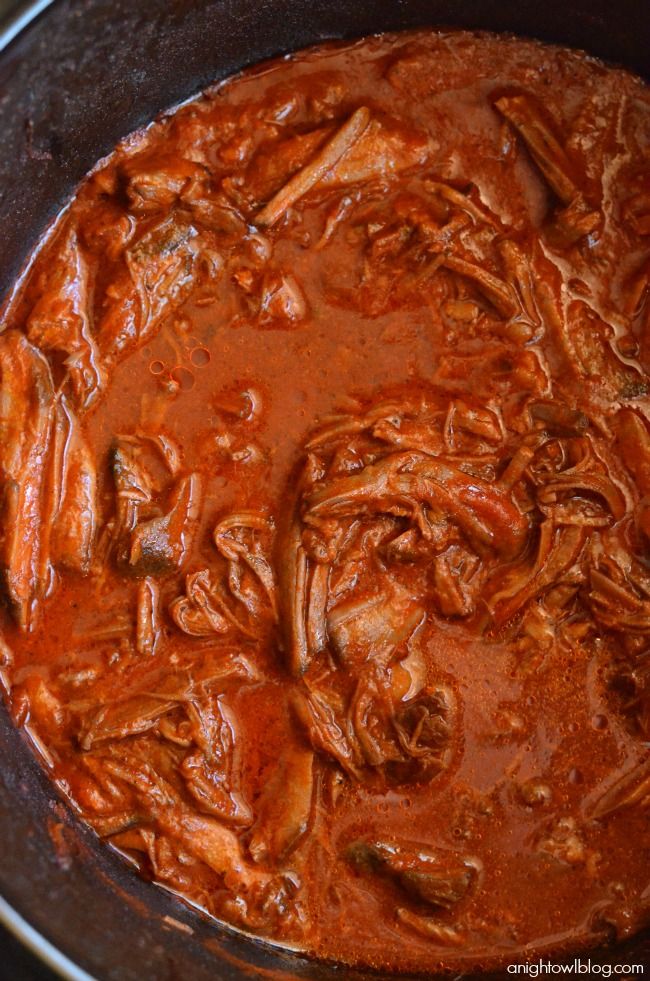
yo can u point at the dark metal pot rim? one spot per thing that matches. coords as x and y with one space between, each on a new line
19 19
49 955
10 918
35 942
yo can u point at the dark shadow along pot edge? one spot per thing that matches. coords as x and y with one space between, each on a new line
92 917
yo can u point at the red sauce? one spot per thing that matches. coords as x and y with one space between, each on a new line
325 464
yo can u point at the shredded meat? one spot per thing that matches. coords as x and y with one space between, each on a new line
325 490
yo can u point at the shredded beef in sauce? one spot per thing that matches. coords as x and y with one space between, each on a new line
325 464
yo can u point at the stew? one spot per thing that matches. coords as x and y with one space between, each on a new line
325 467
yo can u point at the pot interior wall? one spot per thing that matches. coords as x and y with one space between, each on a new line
84 74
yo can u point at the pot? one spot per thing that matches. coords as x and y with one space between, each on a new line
76 76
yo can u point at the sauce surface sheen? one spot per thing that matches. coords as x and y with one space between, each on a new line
325 466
